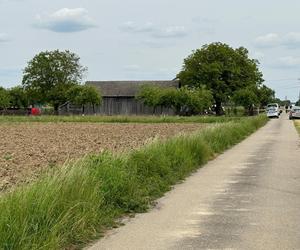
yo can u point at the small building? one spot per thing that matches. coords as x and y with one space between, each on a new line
119 98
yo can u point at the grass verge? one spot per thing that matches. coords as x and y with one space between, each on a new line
297 125
71 206
120 119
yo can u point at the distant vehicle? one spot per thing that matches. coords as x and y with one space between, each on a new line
273 110
294 113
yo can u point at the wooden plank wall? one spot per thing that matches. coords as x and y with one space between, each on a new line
126 106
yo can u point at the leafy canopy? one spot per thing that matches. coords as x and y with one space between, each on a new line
84 94
221 69
18 97
265 95
186 100
246 98
50 74
4 98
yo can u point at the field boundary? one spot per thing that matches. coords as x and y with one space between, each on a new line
74 205
120 119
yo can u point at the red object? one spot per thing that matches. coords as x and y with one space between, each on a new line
35 111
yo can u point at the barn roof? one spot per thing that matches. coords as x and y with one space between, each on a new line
127 88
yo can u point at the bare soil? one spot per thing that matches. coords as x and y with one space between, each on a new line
28 149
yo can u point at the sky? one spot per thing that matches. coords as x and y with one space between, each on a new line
149 39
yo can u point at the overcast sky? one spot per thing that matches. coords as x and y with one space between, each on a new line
148 39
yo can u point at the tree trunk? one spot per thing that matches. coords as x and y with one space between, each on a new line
55 106
219 110
251 111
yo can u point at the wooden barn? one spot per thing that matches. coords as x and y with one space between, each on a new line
119 99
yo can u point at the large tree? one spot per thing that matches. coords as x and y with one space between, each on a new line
265 95
18 97
221 69
4 98
50 74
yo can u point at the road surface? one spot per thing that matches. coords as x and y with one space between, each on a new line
247 198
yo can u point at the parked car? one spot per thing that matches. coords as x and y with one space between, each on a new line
273 110
294 112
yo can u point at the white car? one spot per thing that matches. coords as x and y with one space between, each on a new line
294 113
273 110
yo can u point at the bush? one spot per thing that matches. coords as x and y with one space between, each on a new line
185 101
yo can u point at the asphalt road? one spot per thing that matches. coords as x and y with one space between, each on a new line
247 198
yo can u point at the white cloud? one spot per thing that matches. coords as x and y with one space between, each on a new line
135 28
289 62
268 40
290 40
4 37
154 31
286 63
158 44
171 32
66 20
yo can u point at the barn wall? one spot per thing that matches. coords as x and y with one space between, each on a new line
125 106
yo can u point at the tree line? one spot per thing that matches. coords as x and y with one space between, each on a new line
215 74
184 100
51 78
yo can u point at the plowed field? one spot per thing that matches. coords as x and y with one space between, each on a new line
27 149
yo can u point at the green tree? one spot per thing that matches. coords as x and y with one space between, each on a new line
185 101
50 74
84 95
18 97
286 103
221 69
192 101
265 95
201 100
277 100
150 95
246 98
4 98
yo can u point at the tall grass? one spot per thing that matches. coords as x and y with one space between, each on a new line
119 119
297 124
71 206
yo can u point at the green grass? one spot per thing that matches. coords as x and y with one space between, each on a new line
297 124
119 119
74 205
